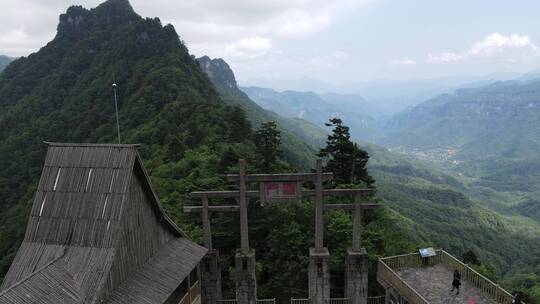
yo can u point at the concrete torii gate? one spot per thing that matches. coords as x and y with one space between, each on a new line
319 274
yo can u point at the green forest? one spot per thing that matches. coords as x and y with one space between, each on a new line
193 131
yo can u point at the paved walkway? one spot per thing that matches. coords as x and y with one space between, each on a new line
434 283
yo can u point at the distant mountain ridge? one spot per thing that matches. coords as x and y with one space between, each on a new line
318 109
4 61
491 132
301 138
462 119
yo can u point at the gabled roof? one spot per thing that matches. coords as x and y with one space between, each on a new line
79 231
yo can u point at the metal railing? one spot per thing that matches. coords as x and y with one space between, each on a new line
259 301
390 277
387 267
337 301
376 300
479 281
185 299
370 300
300 301
195 292
233 301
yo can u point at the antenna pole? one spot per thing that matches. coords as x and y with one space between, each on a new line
116 108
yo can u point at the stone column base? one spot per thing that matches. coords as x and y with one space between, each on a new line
319 276
356 276
246 278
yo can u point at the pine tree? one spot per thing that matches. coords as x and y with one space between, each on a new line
345 159
268 140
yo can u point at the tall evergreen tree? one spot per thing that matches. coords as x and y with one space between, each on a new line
345 159
268 140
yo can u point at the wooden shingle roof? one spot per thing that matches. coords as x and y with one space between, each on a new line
95 223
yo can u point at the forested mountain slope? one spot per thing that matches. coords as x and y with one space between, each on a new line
63 93
301 138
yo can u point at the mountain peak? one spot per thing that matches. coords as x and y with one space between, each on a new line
218 71
111 12
116 8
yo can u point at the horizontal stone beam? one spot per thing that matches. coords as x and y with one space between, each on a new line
195 209
339 192
351 206
223 194
284 177
234 208
252 193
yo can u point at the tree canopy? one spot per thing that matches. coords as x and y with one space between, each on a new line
344 158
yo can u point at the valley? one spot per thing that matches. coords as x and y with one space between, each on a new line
452 167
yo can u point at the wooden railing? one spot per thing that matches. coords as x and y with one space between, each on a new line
387 267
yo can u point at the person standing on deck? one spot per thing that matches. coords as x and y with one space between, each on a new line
456 282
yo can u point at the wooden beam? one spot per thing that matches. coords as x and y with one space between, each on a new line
282 177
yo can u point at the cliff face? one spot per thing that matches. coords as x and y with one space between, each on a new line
218 71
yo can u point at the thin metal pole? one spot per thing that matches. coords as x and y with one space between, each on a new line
244 237
116 108
319 227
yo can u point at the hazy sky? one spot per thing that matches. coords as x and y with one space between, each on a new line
337 41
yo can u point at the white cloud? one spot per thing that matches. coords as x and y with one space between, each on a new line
403 62
203 23
445 57
497 43
249 47
494 46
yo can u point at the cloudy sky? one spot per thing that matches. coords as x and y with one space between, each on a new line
338 41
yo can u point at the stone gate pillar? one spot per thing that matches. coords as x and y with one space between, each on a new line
319 275
246 279
211 278
356 276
